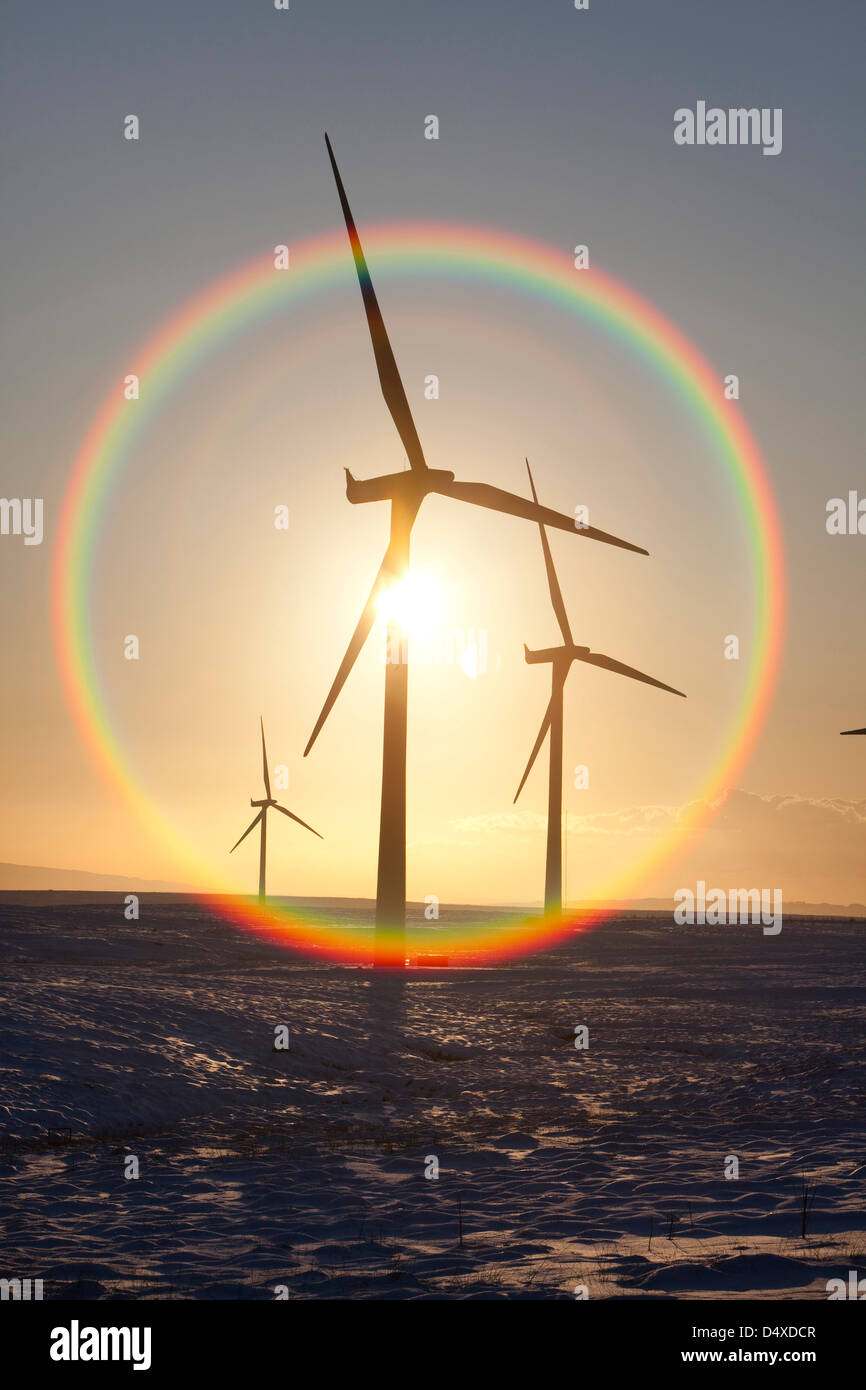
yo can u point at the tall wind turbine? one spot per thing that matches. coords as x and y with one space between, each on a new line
262 818
406 491
560 660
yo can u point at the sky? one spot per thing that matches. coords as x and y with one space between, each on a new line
555 125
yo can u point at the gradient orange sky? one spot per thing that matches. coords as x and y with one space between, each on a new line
237 619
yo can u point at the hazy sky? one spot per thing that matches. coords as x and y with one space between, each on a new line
554 124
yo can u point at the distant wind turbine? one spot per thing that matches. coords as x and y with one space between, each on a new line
262 818
406 491
560 660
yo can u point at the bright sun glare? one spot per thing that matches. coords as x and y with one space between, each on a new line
414 604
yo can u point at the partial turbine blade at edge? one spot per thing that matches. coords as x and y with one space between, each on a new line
607 663
497 500
359 637
552 579
542 734
291 815
845 732
265 762
386 365
247 831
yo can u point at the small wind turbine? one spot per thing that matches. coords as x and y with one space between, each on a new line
406 491
560 660
262 818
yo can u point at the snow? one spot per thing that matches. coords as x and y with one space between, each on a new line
306 1168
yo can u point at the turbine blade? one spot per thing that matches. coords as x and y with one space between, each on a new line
542 734
359 637
552 580
389 377
497 500
247 831
853 731
265 762
608 664
291 815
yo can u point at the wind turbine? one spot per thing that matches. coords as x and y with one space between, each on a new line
560 660
406 491
262 818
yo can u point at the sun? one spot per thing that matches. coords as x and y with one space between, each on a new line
413 604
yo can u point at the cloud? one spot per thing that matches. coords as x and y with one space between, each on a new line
501 823
636 820
813 848
745 812
735 812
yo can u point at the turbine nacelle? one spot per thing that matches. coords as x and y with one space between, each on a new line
268 801
555 654
562 657
409 487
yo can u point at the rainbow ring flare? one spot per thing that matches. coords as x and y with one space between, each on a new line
256 291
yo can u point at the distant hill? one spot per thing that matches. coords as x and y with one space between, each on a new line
789 909
30 878
17 878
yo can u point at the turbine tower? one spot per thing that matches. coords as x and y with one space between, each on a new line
560 661
262 818
406 491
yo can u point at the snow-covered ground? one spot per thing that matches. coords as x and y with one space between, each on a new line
306 1168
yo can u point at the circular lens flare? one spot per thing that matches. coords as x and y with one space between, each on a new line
484 258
